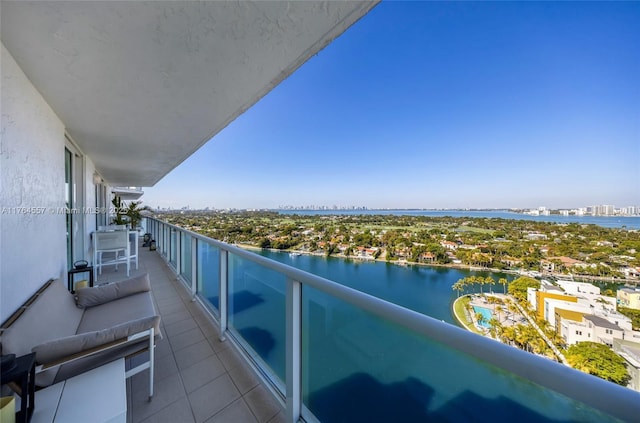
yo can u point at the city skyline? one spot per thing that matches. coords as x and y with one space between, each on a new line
594 210
440 105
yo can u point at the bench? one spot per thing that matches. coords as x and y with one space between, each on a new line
71 334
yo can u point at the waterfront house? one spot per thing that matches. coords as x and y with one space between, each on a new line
427 257
449 245
510 261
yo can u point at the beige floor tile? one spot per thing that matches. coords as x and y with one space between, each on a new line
244 378
163 347
186 339
262 403
279 418
202 373
193 354
170 309
169 319
230 358
167 391
212 397
237 412
177 412
179 327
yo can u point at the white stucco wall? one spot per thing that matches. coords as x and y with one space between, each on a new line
32 246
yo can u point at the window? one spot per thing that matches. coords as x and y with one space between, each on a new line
609 331
102 205
74 202
578 332
68 202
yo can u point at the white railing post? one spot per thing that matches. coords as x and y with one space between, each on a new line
294 350
194 268
178 248
152 347
167 242
164 240
223 288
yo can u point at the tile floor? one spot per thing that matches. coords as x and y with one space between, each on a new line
198 378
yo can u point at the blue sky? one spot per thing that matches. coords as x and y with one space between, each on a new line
440 105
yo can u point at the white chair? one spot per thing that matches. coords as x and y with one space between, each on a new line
112 242
133 239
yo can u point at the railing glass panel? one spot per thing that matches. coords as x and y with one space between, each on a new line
173 244
185 256
256 304
359 367
160 239
209 274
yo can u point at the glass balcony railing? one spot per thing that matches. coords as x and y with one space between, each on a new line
336 354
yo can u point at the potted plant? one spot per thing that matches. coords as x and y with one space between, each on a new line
126 214
133 213
120 213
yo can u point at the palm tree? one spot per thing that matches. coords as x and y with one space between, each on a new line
503 282
513 308
133 212
524 336
498 309
509 334
457 287
489 281
494 327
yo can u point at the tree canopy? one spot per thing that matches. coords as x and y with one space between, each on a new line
518 288
598 360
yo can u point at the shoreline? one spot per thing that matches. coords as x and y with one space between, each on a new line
469 326
445 265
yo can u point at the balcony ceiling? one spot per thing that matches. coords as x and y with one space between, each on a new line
140 86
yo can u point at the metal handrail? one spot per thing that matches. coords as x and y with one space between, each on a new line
615 400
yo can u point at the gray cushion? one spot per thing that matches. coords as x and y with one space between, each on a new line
52 315
90 297
63 347
117 312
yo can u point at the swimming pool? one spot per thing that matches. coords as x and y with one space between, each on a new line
486 313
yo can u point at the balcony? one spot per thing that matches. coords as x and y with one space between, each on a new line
198 378
318 350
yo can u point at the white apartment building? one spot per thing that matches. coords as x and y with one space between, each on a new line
591 328
577 297
578 288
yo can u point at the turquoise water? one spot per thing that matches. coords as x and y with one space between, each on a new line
486 313
359 368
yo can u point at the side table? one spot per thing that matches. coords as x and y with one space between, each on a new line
96 396
71 276
22 380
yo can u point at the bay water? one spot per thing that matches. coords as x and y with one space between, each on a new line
628 222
